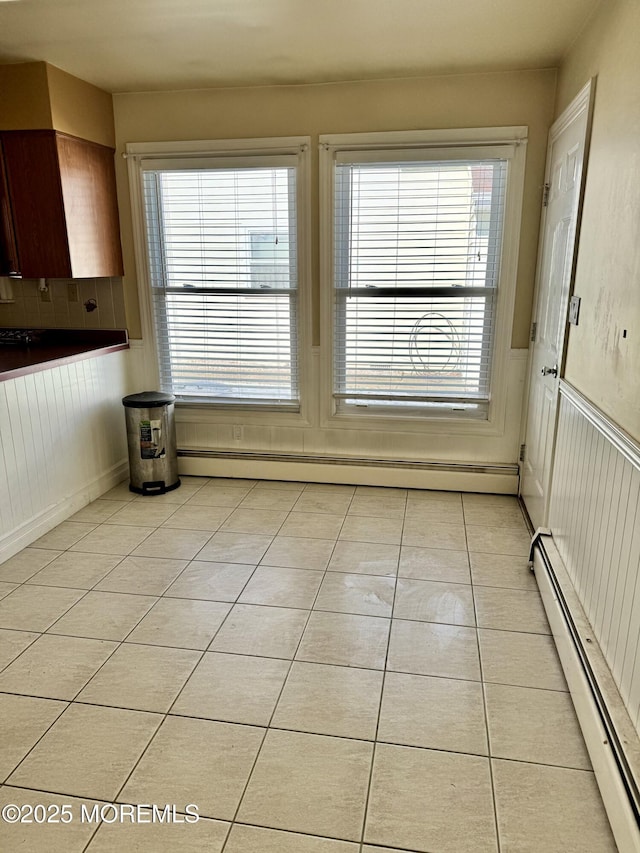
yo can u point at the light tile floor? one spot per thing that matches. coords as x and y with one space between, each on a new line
320 669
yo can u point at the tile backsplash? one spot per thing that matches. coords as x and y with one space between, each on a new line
28 309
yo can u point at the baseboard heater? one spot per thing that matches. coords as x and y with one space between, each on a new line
249 456
611 739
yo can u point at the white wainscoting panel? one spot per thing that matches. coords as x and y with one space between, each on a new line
62 444
595 519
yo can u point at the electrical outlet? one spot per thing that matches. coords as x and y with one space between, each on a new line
237 432
72 292
45 294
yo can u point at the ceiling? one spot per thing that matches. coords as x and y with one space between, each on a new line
148 45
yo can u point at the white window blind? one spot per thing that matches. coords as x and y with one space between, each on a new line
222 244
417 246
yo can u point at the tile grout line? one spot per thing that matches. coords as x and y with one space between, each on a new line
42 633
94 588
453 752
232 603
206 650
484 700
4 779
166 713
382 686
268 727
311 663
74 700
203 652
119 643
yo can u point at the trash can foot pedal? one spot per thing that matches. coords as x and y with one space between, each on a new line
156 487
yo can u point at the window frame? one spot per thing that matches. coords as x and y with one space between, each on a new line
509 142
242 152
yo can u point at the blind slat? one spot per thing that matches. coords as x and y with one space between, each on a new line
417 259
223 261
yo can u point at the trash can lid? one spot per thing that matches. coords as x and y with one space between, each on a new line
148 400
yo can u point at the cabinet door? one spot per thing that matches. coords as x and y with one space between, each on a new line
87 176
33 177
9 264
62 192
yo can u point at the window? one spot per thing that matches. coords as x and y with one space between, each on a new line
221 233
418 241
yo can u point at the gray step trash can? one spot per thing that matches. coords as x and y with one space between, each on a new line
151 436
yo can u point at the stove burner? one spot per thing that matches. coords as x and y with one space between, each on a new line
19 337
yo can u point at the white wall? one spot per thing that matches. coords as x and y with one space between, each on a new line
459 101
62 443
604 349
420 103
441 445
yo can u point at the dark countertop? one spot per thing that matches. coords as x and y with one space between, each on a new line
53 347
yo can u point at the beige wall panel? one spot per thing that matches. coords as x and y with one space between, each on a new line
24 97
470 100
38 96
80 109
601 362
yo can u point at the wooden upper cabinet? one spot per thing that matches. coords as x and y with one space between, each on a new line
62 199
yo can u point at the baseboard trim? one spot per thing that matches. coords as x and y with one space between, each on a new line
46 520
611 740
499 479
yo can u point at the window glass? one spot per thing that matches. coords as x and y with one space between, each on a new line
223 262
417 248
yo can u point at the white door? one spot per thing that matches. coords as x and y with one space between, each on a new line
556 261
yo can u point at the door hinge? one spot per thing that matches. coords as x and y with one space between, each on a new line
534 330
545 195
522 450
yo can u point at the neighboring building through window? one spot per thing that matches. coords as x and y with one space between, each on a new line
270 259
